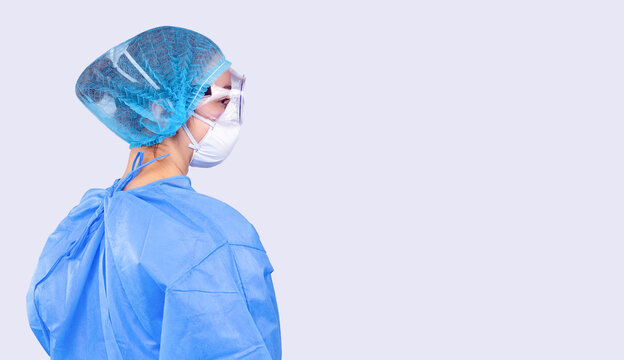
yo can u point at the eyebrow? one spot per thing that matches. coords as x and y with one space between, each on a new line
228 87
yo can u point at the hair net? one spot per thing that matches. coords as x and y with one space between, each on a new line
145 88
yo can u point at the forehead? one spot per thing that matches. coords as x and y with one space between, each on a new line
224 79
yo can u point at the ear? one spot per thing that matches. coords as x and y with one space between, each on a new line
157 110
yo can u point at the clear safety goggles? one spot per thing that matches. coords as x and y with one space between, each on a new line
223 104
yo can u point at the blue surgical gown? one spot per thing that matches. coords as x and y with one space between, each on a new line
159 271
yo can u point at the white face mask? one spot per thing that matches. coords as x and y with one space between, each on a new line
220 139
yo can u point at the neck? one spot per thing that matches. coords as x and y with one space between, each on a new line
177 163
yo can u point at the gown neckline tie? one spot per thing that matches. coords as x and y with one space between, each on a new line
121 182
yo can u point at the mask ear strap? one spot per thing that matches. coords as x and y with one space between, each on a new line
207 121
195 145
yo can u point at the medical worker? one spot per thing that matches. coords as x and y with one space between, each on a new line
148 268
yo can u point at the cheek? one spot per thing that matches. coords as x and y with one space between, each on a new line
213 109
201 131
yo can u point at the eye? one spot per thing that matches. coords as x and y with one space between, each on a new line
225 101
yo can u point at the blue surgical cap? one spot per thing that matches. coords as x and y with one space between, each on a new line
145 88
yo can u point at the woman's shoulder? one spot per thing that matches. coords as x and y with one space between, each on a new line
235 226
183 207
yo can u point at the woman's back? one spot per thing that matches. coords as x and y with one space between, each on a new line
155 272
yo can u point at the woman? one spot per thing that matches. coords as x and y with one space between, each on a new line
148 268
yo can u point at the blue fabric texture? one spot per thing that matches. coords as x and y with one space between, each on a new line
159 271
146 87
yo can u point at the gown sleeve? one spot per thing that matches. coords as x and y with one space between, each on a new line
206 315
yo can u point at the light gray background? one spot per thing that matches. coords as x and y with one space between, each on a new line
437 180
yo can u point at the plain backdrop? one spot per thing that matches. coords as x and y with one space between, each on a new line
431 180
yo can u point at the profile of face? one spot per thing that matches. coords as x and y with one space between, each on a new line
213 108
